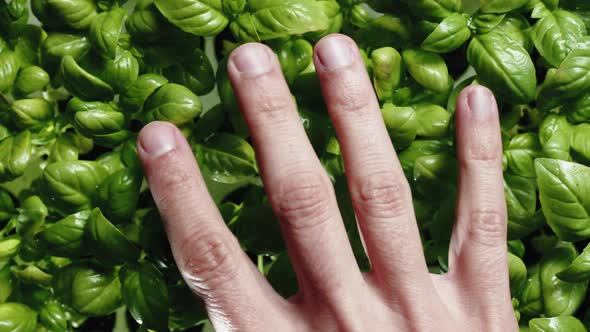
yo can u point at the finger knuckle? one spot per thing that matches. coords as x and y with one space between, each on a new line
208 262
382 195
488 227
303 201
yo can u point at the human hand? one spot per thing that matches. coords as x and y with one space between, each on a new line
398 294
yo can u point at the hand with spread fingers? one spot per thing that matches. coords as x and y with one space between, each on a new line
399 293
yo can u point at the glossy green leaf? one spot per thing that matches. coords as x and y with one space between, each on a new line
228 158
64 148
9 66
434 9
560 298
501 6
81 83
450 34
579 269
521 152
31 113
121 71
108 244
9 247
402 124
105 31
17 317
387 66
65 237
134 97
570 80
195 73
53 317
31 274
518 273
504 66
31 79
145 295
99 122
78 14
95 292
173 103
578 110
71 185
521 201
119 193
428 69
581 140
15 154
565 197
31 218
198 17
270 19
58 45
433 121
555 135
556 35
556 324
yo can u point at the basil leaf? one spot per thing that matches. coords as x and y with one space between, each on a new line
65 237
504 66
565 197
521 201
134 97
428 69
105 31
31 217
450 34
579 269
82 83
17 317
108 244
173 103
15 154
95 292
501 6
556 324
199 17
145 294
119 193
521 152
570 80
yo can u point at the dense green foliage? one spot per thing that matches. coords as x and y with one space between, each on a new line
80 239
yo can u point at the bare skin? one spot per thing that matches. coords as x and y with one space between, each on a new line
398 294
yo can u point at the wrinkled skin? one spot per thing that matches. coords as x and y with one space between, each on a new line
398 294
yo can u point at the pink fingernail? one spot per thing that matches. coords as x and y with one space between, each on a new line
158 138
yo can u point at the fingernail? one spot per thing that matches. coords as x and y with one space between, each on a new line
335 53
252 59
158 138
481 104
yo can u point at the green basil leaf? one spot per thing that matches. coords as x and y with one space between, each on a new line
71 185
81 83
31 217
78 14
108 244
521 152
105 31
134 97
228 158
145 294
556 324
99 122
501 6
195 73
95 292
64 149
555 135
556 35
578 110
579 269
9 247
335 16
570 80
121 71
530 297
521 201
270 19
145 24
198 17
15 154
504 66
428 69
560 298
57 45
17 317
484 23
31 274
565 197
450 34
387 66
53 317
434 9
402 124
173 103
119 193
9 66
31 79
295 56
7 209
518 273
581 140
31 113
433 121
65 237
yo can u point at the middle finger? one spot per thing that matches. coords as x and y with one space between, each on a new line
298 187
